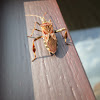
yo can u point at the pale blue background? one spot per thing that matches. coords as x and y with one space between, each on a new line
87 43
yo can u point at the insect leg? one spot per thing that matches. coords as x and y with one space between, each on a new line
60 30
65 36
34 29
34 49
38 38
38 30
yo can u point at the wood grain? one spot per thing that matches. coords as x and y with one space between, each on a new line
59 77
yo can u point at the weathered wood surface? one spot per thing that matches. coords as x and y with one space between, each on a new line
59 77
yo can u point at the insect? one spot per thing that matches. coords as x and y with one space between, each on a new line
48 35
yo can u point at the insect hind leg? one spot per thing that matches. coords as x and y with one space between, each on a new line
34 49
65 35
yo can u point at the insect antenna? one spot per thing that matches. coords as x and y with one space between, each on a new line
41 18
34 15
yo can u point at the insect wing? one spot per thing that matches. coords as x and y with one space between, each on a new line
53 36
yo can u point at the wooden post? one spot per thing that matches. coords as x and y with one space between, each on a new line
59 77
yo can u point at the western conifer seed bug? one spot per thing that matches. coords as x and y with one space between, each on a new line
48 35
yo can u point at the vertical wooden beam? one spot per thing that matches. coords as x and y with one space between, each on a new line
59 77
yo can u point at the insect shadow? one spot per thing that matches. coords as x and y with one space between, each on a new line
43 56
62 46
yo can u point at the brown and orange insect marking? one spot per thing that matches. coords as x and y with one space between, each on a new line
34 49
48 35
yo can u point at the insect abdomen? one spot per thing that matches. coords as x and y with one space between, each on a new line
51 45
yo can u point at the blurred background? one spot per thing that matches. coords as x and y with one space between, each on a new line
82 18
